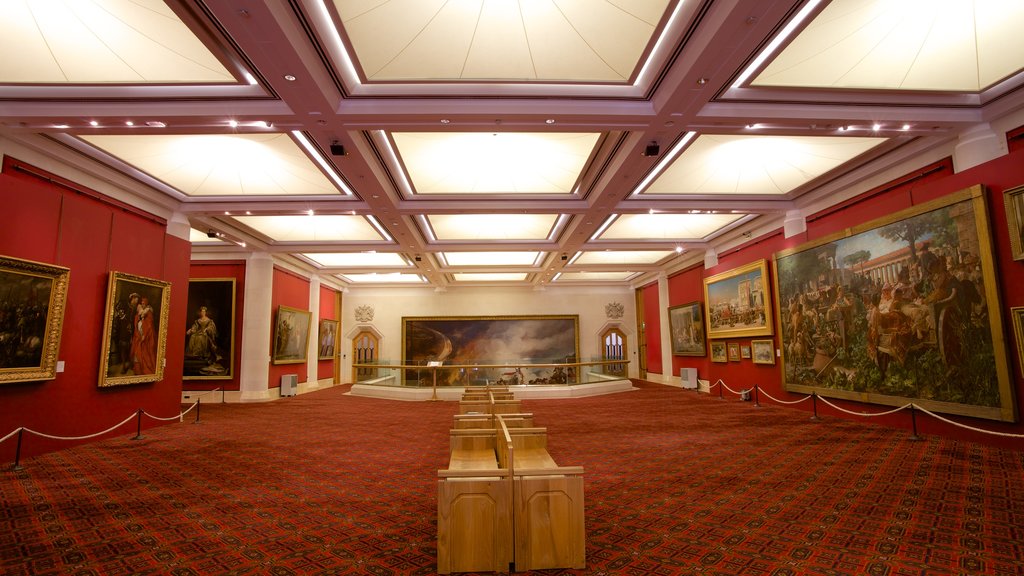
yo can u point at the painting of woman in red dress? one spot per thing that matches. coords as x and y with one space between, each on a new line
144 339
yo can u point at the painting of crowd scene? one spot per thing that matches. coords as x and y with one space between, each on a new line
488 348
32 301
899 310
737 302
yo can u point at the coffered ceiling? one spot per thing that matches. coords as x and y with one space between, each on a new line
493 142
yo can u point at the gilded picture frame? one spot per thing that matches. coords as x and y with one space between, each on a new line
745 351
134 330
210 329
734 351
686 326
291 335
497 342
718 353
1013 206
904 308
737 302
33 298
327 338
763 351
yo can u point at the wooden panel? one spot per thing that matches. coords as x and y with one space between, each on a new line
549 528
474 531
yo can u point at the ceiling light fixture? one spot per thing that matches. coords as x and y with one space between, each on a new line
652 149
61 126
876 127
549 121
233 123
776 42
130 123
445 121
93 123
906 127
289 77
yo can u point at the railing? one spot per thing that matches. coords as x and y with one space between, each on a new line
754 393
499 373
137 416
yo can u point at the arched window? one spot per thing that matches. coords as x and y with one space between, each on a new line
613 347
365 347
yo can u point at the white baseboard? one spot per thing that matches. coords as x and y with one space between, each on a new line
238 396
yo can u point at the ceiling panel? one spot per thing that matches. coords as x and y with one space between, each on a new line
670 227
315 228
482 227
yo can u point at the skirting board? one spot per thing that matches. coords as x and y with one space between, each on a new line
231 396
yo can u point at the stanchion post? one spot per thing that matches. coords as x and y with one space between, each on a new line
814 401
913 423
138 426
721 390
757 403
433 396
199 404
17 451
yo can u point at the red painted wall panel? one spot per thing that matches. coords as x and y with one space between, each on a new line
652 327
292 291
223 269
82 231
325 368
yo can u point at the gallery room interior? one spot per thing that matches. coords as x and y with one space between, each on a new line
774 247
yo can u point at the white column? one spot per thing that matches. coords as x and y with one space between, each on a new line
978 144
313 354
254 372
666 332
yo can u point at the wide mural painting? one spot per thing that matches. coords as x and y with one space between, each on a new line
902 309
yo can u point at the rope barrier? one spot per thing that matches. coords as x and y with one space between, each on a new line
138 414
866 414
965 426
910 405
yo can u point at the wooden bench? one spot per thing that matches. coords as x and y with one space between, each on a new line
486 421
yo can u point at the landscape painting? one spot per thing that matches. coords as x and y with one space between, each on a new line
897 310
486 341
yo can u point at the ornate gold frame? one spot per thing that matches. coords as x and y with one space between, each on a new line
228 329
56 278
675 322
718 352
119 289
1013 205
759 269
277 358
757 344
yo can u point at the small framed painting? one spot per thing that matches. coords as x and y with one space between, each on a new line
734 351
326 337
763 351
744 350
718 352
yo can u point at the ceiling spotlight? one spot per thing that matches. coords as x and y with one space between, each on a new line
906 127
337 149
61 126
702 81
652 149
156 124
876 127
679 249
233 123
289 77
445 121
211 234
268 124
93 123
549 121
310 212
130 123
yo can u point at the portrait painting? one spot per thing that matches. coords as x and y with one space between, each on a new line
737 303
734 351
291 335
493 340
209 329
33 297
135 330
763 351
686 324
327 335
718 353
900 309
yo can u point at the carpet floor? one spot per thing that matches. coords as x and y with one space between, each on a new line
676 483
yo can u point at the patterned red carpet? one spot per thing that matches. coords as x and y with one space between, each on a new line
676 483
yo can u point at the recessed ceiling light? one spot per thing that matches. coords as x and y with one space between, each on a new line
226 213
248 213
549 121
289 77
233 123
130 123
61 126
906 127
310 212
155 124
445 121
93 123
876 127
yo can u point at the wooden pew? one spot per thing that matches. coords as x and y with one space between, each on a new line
474 507
515 420
490 407
548 505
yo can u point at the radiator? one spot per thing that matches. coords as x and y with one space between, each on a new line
688 377
289 383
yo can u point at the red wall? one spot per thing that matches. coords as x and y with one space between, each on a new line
71 226
223 269
325 368
924 185
292 291
652 327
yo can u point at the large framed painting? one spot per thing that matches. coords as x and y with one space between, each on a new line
686 323
326 337
1013 205
900 309
493 340
135 330
737 302
209 329
33 297
291 335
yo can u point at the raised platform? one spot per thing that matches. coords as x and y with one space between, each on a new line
391 392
